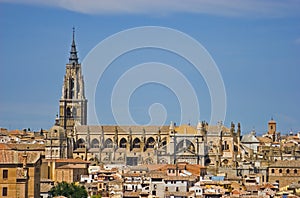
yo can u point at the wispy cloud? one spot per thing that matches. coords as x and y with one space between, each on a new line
256 8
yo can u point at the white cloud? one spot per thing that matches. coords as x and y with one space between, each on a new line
257 8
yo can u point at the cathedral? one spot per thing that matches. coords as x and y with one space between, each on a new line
71 137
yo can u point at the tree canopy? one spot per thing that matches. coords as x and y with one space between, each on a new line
68 190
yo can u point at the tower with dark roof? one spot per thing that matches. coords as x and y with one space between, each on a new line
73 104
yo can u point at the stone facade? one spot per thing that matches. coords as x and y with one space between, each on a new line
56 146
284 172
132 145
73 104
19 174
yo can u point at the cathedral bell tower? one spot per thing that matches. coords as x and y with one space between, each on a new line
73 104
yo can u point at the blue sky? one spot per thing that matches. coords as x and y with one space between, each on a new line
255 44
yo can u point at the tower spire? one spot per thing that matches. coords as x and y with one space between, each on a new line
73 53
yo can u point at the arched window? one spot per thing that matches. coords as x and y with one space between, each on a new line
189 145
273 171
95 143
71 88
69 113
123 143
136 143
280 170
150 142
80 143
74 112
108 143
225 161
287 171
295 171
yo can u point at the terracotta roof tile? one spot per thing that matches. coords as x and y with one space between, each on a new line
16 157
4 146
74 161
264 139
26 147
71 166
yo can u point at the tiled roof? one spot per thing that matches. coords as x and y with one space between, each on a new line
286 163
71 166
267 185
185 129
157 174
16 132
264 140
74 161
252 187
27 147
193 168
214 129
180 178
4 146
120 129
132 174
131 194
16 157
179 194
151 167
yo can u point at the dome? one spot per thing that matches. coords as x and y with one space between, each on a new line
56 132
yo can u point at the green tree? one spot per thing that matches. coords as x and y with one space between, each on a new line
96 196
68 190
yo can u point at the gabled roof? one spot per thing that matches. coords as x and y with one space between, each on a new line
249 138
195 169
264 139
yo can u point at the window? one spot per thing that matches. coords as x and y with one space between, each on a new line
295 171
154 192
166 189
288 171
273 171
5 174
280 170
4 191
177 189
